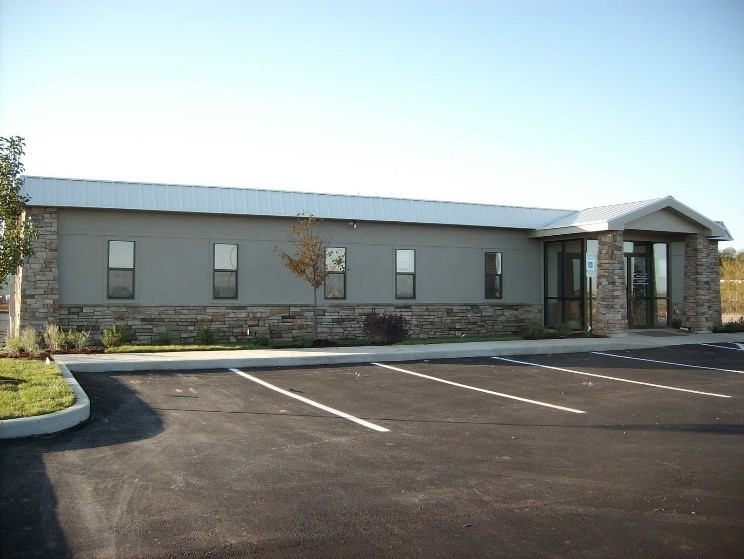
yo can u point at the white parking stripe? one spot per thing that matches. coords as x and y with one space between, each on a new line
739 348
611 378
479 389
312 403
668 363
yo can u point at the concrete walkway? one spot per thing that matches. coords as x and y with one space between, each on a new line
195 360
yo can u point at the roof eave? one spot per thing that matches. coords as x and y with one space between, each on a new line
584 228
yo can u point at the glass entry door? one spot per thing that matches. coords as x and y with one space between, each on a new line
639 279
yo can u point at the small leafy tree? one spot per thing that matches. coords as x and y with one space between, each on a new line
16 234
307 259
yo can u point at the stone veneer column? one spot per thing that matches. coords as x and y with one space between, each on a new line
37 286
612 303
701 304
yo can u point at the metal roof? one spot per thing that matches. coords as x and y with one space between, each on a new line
80 193
599 214
77 193
616 216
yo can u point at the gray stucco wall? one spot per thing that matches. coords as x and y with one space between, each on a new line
173 263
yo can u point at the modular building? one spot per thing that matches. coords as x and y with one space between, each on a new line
175 258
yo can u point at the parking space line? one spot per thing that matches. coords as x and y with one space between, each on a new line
611 378
668 362
739 347
478 389
339 413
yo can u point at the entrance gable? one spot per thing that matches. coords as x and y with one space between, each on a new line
668 221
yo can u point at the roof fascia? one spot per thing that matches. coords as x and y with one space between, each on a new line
619 223
594 227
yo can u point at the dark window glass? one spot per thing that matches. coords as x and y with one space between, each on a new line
335 263
405 274
120 270
493 275
225 271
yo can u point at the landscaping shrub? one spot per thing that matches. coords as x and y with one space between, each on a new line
115 336
733 326
30 341
205 335
261 340
535 332
305 340
384 329
54 338
13 345
162 338
77 340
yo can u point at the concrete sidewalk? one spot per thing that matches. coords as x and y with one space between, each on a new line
195 360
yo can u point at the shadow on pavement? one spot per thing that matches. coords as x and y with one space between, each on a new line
29 519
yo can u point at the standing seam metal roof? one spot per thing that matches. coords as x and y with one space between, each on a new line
78 193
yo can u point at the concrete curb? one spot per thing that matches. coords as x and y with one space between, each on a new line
202 360
51 422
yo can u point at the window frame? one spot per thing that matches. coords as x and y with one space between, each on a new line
334 273
215 270
110 268
499 275
399 274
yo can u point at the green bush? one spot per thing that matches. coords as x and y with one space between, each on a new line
30 341
535 332
384 329
733 326
54 338
77 340
115 336
305 340
13 345
162 338
261 340
205 335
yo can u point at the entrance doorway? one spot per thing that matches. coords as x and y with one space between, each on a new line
571 294
646 284
639 284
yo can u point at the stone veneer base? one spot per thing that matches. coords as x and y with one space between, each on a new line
231 323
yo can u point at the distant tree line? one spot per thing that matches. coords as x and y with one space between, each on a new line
732 281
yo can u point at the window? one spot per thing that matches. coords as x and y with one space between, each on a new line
225 271
493 275
120 270
565 280
405 274
335 282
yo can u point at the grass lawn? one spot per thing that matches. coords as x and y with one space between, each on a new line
29 387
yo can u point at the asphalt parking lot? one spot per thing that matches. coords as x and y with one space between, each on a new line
629 453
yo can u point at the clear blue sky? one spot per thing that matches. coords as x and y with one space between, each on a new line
553 104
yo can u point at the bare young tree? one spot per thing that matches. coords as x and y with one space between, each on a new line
307 258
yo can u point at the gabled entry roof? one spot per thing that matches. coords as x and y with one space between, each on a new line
542 222
630 216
